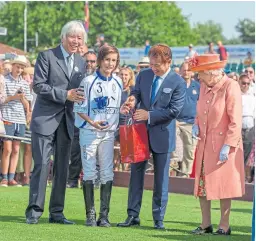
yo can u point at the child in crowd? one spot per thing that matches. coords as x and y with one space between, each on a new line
14 116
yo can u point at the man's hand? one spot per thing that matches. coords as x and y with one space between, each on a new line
75 95
128 105
141 115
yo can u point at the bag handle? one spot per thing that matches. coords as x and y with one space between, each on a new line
129 121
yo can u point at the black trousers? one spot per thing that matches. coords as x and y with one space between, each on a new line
75 165
58 143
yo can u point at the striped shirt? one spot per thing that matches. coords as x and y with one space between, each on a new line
13 111
27 135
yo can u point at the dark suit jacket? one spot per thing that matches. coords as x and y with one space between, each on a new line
51 84
168 103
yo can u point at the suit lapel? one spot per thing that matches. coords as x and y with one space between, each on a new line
149 89
63 66
61 62
161 88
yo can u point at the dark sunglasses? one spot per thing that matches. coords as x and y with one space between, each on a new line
251 72
245 83
144 67
91 61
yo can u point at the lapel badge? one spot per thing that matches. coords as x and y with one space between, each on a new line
167 90
76 68
194 92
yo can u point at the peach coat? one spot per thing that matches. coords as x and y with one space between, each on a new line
219 117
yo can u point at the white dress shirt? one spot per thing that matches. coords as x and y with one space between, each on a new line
160 81
65 55
251 89
248 104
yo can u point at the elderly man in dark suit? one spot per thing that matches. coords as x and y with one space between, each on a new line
161 95
58 73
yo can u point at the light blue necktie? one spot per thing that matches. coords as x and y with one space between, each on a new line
155 87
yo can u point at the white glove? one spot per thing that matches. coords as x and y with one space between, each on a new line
195 131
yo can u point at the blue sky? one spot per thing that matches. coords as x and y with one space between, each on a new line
226 13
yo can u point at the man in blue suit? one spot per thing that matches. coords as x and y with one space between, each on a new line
161 95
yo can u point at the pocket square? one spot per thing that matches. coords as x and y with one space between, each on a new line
167 90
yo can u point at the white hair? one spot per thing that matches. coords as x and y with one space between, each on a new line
215 72
73 27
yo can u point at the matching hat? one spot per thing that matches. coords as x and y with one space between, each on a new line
206 62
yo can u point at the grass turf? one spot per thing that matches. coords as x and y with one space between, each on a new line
183 215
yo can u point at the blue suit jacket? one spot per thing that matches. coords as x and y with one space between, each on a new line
168 103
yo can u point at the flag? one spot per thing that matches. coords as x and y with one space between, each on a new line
86 16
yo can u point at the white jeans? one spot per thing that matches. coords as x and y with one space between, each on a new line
97 147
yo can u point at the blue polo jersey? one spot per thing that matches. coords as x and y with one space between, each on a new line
188 112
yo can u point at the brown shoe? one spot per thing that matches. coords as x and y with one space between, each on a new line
4 183
13 183
26 181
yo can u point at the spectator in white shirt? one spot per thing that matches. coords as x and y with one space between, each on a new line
248 103
249 71
191 52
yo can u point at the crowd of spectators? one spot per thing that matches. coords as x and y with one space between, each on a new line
17 99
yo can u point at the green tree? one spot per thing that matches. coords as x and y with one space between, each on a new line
233 41
246 28
208 32
46 18
125 24
129 24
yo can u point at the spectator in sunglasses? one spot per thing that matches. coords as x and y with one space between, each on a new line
245 83
249 71
248 130
143 64
90 59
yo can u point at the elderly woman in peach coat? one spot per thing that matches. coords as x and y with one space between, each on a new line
219 171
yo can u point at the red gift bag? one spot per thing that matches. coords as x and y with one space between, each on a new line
134 143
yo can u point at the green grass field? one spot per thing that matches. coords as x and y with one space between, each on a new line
183 215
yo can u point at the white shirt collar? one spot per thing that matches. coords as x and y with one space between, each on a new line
65 53
164 75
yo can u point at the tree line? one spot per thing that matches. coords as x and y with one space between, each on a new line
125 24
